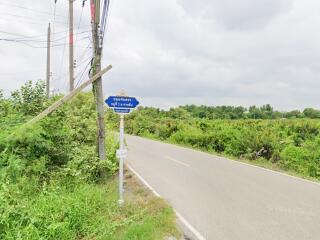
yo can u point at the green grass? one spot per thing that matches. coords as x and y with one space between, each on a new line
53 185
87 211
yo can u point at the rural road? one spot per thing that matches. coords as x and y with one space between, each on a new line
228 200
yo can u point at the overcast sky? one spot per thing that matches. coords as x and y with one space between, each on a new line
174 52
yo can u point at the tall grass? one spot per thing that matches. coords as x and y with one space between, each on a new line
51 185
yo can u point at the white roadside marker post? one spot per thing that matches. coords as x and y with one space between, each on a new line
121 159
121 105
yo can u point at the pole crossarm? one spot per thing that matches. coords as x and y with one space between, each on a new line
67 97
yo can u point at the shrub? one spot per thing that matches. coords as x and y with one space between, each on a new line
290 144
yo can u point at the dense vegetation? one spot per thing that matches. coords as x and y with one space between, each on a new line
292 145
51 185
253 112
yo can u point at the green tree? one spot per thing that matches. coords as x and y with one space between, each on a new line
31 98
267 111
311 113
254 113
294 114
178 113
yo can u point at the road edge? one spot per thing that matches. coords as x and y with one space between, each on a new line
192 229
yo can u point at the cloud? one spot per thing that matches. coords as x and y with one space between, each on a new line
174 52
238 15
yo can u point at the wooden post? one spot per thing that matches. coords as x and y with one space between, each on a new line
69 96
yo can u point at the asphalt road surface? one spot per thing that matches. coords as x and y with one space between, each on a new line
225 199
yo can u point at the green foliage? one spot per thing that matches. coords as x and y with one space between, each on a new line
5 106
50 175
290 144
311 113
87 211
30 99
253 112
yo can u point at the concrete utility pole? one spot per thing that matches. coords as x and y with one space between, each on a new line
48 61
71 64
97 85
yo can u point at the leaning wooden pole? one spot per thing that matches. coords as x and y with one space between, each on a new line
69 96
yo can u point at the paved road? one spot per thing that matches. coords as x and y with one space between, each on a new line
227 200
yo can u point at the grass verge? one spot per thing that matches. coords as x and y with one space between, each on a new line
89 211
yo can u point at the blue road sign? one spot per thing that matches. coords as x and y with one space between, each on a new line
122 102
122 110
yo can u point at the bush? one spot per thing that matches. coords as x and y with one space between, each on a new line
31 98
290 144
47 170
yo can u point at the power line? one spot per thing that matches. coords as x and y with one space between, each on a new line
54 22
84 61
24 17
104 19
25 36
36 40
85 69
86 50
44 41
64 46
25 42
79 23
25 21
22 37
30 9
43 24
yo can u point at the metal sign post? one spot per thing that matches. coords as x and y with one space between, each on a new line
121 105
121 154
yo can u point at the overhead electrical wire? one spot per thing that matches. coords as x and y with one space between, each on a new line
84 61
79 23
103 21
85 51
30 9
38 40
25 17
37 36
53 29
25 21
104 18
85 69
102 25
64 47
25 42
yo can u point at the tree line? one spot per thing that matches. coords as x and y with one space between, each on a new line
231 112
